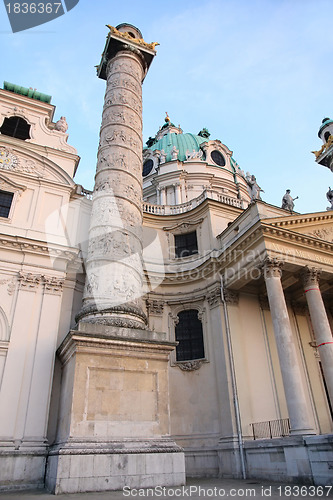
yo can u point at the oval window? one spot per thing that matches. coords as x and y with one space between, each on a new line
147 167
218 158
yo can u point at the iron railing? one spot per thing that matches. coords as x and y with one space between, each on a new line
271 429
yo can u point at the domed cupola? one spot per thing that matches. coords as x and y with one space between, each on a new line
326 129
178 168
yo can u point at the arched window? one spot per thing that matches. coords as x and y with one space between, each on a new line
16 127
189 335
326 136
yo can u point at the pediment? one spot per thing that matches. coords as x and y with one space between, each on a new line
30 163
318 225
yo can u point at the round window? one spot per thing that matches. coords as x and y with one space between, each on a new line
147 167
218 158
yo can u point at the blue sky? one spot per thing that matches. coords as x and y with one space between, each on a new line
256 73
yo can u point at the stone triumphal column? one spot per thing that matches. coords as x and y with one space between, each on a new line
320 324
113 426
290 370
114 264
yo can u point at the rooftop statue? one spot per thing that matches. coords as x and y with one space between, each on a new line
329 196
324 147
204 133
288 201
254 188
61 125
128 36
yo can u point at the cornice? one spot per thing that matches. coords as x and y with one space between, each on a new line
298 238
20 244
303 219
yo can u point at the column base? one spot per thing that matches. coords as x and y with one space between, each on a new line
302 432
113 426
114 467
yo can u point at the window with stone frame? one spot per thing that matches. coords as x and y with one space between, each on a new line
189 335
186 244
6 199
17 127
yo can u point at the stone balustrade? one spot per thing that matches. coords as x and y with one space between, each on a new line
150 208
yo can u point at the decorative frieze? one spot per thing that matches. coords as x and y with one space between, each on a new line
30 282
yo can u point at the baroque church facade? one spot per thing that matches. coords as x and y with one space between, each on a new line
148 334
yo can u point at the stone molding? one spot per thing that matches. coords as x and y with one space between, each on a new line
286 234
24 245
183 227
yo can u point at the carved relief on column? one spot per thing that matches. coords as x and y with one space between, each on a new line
310 277
113 291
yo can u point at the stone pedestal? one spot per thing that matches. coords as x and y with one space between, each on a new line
114 413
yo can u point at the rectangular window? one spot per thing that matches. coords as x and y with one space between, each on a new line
6 199
189 336
186 244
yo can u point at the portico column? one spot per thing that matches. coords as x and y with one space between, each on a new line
321 326
177 194
290 370
162 196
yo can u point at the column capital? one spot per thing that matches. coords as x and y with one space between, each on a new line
272 267
119 40
310 276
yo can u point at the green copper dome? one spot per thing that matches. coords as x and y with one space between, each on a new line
183 142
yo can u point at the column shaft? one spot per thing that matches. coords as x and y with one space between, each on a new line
291 374
114 263
320 324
